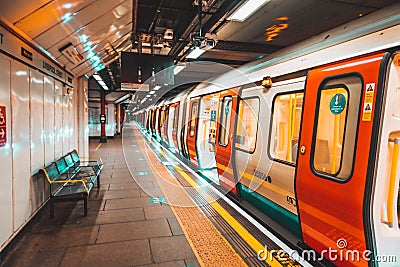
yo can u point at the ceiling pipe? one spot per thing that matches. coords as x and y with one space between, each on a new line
135 5
153 25
200 15
156 16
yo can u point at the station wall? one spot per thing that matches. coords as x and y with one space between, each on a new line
94 120
42 123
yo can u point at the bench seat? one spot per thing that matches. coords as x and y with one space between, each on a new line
72 178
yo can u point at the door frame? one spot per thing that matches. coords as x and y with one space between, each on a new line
234 93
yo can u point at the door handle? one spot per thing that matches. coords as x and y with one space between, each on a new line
392 181
303 150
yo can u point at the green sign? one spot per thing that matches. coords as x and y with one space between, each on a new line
226 109
213 115
338 104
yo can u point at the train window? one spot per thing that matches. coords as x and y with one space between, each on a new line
285 127
193 116
247 125
176 118
162 117
334 143
225 120
172 112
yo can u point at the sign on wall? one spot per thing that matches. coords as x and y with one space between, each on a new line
3 126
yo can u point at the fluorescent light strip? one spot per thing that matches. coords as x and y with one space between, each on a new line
100 81
196 53
246 10
178 68
152 92
156 88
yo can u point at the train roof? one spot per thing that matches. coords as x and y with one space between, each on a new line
374 32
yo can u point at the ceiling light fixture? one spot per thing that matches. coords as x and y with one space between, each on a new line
246 10
100 81
195 53
156 88
178 68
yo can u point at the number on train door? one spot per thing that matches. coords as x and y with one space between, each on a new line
225 130
333 155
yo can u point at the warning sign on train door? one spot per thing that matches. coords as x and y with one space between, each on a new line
368 101
3 126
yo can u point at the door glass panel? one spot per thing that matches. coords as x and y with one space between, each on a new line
285 129
247 126
193 116
335 137
225 122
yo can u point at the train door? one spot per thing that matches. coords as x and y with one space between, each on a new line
206 132
386 196
160 121
267 135
183 128
175 129
228 101
165 125
192 129
171 126
333 160
152 121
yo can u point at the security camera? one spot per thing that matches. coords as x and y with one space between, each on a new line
208 44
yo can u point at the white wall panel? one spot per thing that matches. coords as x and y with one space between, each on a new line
71 130
66 123
58 124
48 111
83 117
37 138
37 130
6 225
20 142
75 108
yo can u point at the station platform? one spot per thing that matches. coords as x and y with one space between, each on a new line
148 211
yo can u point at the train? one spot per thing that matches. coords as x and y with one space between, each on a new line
312 138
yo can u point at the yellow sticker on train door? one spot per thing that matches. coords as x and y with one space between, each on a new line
368 101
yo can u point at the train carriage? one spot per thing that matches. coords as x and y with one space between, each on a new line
318 150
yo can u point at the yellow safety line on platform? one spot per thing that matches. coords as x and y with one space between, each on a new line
98 146
208 244
242 231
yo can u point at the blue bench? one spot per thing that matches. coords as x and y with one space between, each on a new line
71 178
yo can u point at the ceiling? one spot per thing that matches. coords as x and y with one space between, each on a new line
99 30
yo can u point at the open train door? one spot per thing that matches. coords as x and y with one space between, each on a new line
228 101
333 158
192 129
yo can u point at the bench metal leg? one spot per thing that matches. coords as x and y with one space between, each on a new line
98 181
85 205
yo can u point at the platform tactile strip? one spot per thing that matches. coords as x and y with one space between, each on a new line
209 246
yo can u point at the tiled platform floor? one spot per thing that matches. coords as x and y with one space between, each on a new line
123 227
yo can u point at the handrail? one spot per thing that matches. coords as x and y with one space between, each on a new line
392 180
